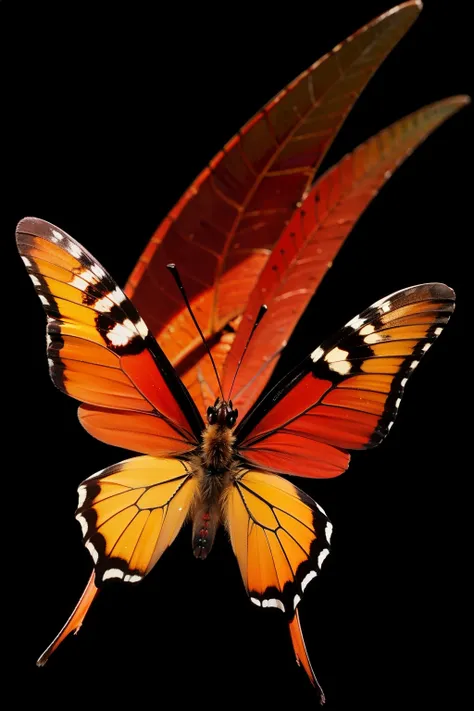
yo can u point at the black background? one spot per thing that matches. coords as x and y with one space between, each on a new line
106 120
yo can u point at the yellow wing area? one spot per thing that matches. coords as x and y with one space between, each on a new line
131 512
281 537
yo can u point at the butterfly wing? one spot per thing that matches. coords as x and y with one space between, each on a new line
229 219
280 537
101 352
345 395
311 241
129 514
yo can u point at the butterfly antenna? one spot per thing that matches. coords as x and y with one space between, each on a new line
174 271
261 314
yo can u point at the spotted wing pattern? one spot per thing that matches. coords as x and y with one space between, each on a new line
101 352
345 395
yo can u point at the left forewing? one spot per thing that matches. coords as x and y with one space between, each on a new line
101 352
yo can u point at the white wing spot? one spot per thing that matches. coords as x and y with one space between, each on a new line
356 323
104 305
57 236
413 364
26 261
51 362
113 573
322 556
43 300
320 508
82 492
48 340
385 308
342 367
389 426
397 403
79 283
83 523
89 276
336 354
92 551
296 600
74 250
370 328
35 280
403 382
273 602
438 331
373 338
121 334
328 531
308 578
132 578
141 328
426 347
316 354
98 271
117 296
256 601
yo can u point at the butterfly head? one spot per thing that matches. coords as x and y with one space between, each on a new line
222 413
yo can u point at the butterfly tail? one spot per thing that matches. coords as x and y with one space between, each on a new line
301 654
75 620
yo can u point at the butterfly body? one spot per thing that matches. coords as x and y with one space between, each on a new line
216 468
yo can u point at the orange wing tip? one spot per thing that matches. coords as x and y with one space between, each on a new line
74 622
301 654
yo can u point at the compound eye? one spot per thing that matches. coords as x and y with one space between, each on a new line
230 419
211 416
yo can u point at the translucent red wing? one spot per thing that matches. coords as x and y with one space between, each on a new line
228 221
345 395
311 241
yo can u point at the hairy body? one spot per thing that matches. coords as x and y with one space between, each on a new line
215 469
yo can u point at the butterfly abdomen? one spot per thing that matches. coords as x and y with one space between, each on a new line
214 475
206 510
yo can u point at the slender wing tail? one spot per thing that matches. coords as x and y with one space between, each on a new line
75 620
301 654
281 538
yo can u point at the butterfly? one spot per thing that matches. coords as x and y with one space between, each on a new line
224 470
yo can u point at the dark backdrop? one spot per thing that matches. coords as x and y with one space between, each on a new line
106 120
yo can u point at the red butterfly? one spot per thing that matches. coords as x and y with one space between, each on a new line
343 396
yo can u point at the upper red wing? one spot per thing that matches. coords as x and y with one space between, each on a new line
345 395
101 352
224 227
311 241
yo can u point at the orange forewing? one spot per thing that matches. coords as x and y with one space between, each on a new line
345 395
